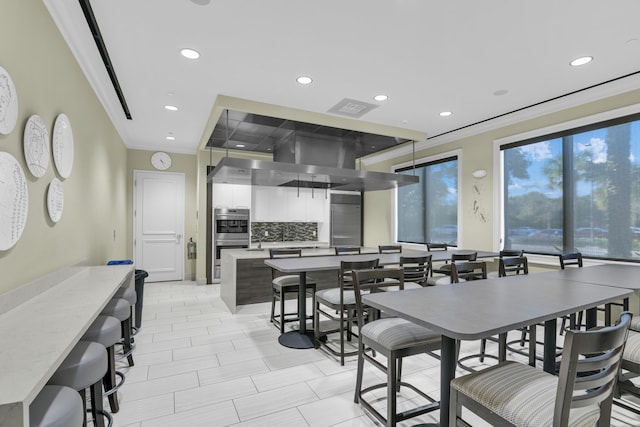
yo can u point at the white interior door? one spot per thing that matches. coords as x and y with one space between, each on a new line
159 224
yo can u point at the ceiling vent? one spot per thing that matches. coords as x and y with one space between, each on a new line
351 108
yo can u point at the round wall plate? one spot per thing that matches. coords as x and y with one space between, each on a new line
55 200
36 146
8 103
14 201
63 145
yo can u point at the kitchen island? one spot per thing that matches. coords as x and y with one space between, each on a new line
246 279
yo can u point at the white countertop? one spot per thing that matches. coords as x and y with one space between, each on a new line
38 334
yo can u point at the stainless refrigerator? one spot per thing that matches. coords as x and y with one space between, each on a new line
346 220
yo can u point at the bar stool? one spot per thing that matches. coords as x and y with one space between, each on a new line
106 331
83 368
56 406
132 297
120 309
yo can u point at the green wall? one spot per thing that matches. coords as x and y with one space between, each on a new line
48 82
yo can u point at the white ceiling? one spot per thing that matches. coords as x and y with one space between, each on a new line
426 56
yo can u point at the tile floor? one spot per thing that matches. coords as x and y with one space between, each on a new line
198 365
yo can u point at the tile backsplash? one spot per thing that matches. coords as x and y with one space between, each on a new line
284 231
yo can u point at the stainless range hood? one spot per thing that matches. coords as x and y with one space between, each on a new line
307 161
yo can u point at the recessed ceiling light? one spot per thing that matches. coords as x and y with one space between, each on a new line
201 2
501 92
190 53
171 138
239 145
445 113
381 97
171 107
304 80
581 61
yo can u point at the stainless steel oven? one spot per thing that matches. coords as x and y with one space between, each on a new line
230 231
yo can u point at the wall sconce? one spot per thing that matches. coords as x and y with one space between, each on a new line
480 173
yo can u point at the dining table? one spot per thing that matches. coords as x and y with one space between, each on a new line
616 275
303 338
483 308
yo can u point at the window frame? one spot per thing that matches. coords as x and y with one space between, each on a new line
424 161
561 130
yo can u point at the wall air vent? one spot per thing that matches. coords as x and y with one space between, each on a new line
351 108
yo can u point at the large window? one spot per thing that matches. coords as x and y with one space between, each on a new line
576 190
428 211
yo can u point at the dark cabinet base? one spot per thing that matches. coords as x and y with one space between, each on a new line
253 281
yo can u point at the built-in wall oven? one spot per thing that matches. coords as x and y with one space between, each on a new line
230 231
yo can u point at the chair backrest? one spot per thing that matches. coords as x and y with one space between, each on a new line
511 253
346 267
370 280
282 253
416 268
464 257
574 258
390 249
470 270
347 250
590 380
436 247
512 266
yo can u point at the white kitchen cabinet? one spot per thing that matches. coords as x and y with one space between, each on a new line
282 204
297 205
260 206
316 206
232 196
269 204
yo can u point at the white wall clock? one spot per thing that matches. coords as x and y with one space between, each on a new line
36 146
55 200
63 145
14 201
161 160
8 103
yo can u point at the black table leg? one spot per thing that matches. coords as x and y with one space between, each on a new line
549 359
301 338
592 318
447 373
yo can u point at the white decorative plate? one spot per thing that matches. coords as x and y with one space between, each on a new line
14 201
8 103
55 200
36 146
63 145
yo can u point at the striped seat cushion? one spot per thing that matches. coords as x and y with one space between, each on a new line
520 394
407 285
394 333
441 280
632 347
635 323
332 296
287 280
290 280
